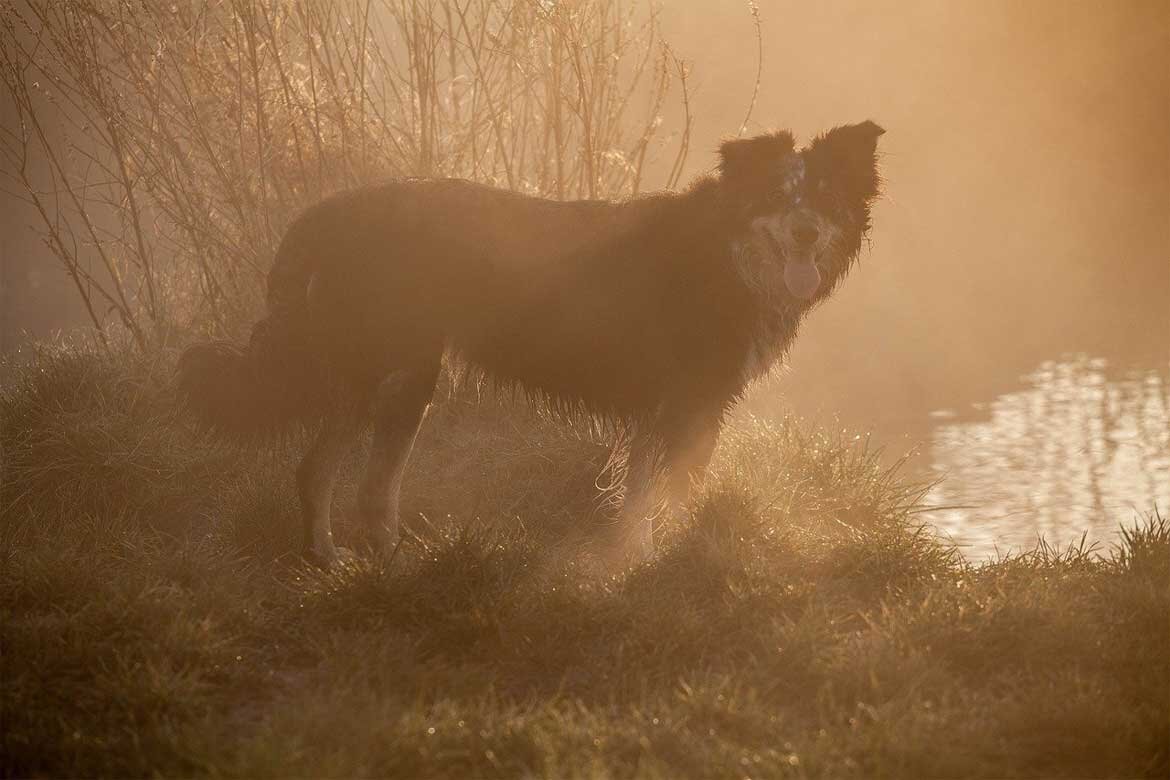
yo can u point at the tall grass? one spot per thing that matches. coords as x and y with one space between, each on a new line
799 622
166 145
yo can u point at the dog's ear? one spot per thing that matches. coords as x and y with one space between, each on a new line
749 158
852 153
860 137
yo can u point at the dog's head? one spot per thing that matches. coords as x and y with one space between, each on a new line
800 215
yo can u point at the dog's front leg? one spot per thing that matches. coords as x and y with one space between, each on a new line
630 537
687 453
666 460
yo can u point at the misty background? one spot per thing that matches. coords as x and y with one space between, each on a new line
1025 225
1027 206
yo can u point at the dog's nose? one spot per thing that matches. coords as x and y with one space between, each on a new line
805 234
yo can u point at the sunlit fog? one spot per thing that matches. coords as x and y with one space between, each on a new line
584 388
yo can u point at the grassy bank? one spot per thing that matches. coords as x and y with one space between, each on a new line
154 620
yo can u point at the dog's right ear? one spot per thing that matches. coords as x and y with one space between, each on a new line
748 158
850 153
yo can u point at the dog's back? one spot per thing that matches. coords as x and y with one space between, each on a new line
591 302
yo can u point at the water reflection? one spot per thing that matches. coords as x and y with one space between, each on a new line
1080 448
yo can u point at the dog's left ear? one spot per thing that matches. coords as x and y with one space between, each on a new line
853 152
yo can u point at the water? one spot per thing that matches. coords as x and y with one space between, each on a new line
1073 446
1080 447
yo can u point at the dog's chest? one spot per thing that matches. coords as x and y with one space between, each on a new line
767 345
773 324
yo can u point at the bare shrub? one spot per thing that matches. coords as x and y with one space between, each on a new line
166 145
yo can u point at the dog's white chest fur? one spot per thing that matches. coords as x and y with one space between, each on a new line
773 326
766 348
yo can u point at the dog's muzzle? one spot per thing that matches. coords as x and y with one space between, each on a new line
801 275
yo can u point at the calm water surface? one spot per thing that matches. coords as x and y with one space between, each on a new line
1080 447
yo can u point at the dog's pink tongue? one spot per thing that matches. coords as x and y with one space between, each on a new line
802 279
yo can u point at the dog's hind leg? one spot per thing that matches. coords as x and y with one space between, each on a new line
400 406
315 478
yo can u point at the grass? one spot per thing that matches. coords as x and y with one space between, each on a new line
154 619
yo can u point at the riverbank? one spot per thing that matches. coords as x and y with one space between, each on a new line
154 618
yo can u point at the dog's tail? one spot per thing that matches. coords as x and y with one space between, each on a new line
278 379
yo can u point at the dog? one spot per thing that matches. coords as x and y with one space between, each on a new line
654 313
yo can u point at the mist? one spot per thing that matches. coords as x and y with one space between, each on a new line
1027 199
933 544
1026 165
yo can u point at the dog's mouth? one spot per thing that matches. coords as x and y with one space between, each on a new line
802 275
802 278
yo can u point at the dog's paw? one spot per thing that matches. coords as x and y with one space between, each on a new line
616 559
330 558
381 542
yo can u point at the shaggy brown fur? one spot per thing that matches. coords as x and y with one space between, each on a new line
654 312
